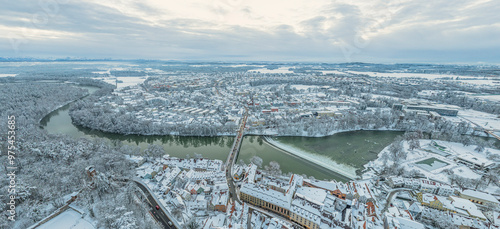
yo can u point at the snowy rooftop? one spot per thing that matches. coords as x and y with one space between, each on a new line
407 223
480 195
476 159
306 209
268 195
220 198
252 169
327 185
312 194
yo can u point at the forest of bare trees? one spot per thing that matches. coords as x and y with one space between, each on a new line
50 167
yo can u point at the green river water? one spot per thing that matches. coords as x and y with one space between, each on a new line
353 149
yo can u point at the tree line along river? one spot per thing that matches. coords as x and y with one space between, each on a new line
351 149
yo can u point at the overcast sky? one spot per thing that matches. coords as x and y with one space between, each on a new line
444 31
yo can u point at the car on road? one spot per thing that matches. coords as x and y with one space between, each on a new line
157 207
169 223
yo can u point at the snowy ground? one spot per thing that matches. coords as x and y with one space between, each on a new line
102 72
68 219
466 80
333 72
110 80
489 97
479 81
278 70
126 81
402 74
244 65
486 120
303 87
377 96
130 81
427 151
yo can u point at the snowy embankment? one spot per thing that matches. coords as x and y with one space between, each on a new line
321 160
68 219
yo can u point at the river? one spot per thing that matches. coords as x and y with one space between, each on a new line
349 149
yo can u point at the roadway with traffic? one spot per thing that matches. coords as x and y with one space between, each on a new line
157 209
158 213
233 154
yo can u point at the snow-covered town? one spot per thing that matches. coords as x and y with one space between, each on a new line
197 187
292 104
257 146
233 114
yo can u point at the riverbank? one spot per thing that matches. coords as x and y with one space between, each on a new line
60 106
218 147
209 147
274 133
70 101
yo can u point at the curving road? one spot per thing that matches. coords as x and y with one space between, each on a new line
391 195
159 214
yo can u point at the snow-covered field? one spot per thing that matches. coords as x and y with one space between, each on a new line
402 74
278 70
303 87
321 160
130 81
464 171
68 219
377 96
244 65
486 120
459 149
479 81
469 80
495 98
102 72
333 72
125 81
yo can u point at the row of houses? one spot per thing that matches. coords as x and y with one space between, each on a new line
313 204
198 164
423 105
452 204
420 184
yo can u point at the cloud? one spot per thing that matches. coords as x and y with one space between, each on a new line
340 30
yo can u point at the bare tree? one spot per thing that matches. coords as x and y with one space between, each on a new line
154 151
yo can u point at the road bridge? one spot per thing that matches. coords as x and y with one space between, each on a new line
231 158
487 131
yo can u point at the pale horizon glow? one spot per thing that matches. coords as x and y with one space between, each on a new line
464 31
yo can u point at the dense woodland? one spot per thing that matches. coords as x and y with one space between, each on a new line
51 167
